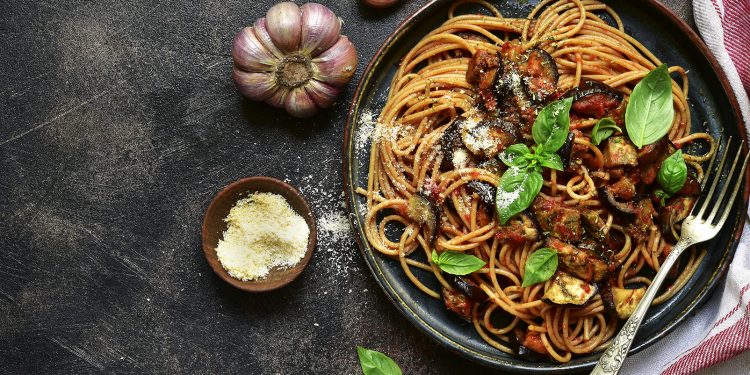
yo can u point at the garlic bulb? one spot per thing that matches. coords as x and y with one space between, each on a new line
294 58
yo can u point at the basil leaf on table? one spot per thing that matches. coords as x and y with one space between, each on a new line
515 155
552 125
456 262
540 266
672 173
515 192
650 111
552 161
376 363
603 130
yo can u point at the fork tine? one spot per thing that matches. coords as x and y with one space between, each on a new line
734 192
711 164
716 178
720 199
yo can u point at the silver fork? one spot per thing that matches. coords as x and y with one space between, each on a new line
695 228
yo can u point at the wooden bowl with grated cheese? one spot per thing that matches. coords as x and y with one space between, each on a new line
215 225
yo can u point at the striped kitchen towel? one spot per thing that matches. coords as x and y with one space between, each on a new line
720 331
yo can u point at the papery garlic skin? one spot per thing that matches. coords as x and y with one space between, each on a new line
294 58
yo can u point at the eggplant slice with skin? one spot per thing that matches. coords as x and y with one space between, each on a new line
568 290
527 347
424 210
455 154
594 225
485 190
676 210
581 263
540 75
486 136
520 228
468 287
626 300
458 303
594 99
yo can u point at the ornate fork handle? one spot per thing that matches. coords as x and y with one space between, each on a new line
614 356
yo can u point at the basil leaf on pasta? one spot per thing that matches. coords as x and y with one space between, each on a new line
458 263
550 161
673 173
515 192
376 363
650 111
552 125
603 129
515 155
540 266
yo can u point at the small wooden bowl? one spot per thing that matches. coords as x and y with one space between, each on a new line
214 227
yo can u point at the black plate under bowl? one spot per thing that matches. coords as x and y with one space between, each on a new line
713 108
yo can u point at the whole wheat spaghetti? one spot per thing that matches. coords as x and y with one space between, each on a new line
430 94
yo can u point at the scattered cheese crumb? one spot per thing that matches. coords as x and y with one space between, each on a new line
263 232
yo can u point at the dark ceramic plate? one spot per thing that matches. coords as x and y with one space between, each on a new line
713 108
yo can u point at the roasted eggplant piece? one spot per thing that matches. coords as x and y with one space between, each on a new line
520 228
589 244
594 224
455 154
557 220
567 290
468 287
581 263
483 69
594 99
626 300
605 291
540 74
651 156
676 210
565 151
620 152
644 215
527 345
623 189
623 207
458 302
424 210
563 223
486 136
484 190
692 185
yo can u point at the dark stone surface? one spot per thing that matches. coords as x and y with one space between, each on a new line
119 124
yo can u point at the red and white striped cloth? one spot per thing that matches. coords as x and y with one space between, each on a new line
717 339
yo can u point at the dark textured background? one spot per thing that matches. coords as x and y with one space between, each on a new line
118 124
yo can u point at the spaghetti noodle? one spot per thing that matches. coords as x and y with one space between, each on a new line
430 93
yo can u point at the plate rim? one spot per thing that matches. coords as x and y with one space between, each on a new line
445 341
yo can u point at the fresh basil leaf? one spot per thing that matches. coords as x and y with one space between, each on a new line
540 266
552 125
663 196
673 173
435 257
458 263
515 155
603 130
516 190
550 161
376 363
650 111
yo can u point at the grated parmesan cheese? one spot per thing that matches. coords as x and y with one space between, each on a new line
263 232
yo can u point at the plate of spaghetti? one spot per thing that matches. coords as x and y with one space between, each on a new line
517 173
